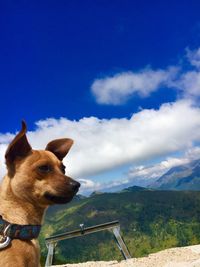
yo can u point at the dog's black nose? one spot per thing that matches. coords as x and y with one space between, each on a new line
75 185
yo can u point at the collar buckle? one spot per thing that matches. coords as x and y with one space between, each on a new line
4 239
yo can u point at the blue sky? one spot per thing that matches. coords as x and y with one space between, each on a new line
52 51
64 59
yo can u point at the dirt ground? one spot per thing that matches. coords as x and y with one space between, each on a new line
175 257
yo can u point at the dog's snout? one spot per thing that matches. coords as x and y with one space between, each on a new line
75 185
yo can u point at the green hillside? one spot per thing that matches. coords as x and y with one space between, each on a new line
150 221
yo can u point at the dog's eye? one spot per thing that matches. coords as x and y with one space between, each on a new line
45 168
63 169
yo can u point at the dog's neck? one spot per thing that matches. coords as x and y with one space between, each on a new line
16 210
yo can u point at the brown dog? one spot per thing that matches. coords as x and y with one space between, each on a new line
35 180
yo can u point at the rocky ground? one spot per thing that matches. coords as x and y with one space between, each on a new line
175 257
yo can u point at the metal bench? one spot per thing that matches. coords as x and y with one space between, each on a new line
114 226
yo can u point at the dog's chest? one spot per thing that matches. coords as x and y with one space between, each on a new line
21 254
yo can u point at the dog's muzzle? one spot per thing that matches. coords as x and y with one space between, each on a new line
65 195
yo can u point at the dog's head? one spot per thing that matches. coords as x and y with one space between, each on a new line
38 176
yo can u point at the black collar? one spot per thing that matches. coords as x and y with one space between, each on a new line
17 231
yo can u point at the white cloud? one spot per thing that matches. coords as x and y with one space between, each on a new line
101 145
193 153
2 165
189 84
193 57
145 175
117 89
88 185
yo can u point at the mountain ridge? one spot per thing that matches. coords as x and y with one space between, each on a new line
183 177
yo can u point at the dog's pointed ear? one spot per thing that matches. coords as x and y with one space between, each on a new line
60 147
19 147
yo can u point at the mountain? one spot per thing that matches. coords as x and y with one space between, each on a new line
150 221
184 177
135 188
96 193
